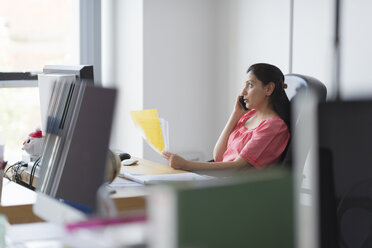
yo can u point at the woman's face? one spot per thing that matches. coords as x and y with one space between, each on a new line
254 92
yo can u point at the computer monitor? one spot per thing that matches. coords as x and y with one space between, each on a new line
345 173
79 119
54 73
81 71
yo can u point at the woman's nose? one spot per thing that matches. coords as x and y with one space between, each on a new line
244 91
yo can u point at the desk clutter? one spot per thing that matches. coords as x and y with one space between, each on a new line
23 173
27 173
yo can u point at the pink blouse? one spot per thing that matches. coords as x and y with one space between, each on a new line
259 146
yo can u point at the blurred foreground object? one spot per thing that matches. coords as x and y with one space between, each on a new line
112 166
247 210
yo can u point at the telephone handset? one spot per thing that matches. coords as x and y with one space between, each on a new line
242 103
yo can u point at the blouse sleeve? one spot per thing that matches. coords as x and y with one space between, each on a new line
267 144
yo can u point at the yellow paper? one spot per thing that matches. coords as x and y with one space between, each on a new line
149 124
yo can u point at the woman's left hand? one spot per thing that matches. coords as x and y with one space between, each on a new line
174 160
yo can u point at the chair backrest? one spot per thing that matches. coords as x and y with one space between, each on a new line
298 82
304 84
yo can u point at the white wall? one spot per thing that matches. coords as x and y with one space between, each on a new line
313 45
356 76
313 53
179 72
122 67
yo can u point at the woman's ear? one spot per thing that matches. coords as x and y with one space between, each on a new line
270 88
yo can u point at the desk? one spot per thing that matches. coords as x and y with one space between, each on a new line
16 203
134 198
152 168
126 199
144 167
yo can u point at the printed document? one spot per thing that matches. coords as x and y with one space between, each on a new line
153 130
152 179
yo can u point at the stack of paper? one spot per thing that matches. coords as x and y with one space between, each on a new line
154 130
153 179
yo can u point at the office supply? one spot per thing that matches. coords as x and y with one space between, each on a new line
129 161
152 129
121 182
250 210
124 155
345 140
160 178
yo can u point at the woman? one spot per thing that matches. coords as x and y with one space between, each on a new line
255 137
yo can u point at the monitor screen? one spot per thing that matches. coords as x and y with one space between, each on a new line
79 118
345 173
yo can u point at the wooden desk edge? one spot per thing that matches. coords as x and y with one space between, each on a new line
20 214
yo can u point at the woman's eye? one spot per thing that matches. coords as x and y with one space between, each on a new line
250 85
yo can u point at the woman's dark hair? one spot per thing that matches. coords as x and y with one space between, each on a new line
267 73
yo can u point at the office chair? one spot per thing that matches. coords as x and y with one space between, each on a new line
300 83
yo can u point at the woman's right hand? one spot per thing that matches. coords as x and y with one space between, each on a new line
175 161
238 109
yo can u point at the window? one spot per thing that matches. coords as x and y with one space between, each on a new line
35 33
32 34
